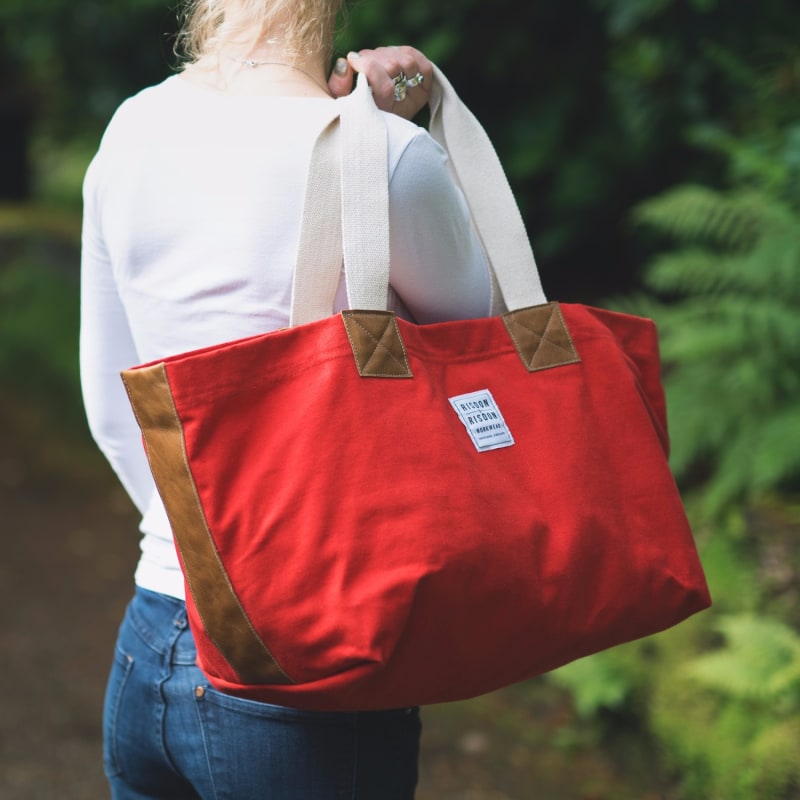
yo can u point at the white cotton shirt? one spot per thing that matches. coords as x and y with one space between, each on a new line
192 210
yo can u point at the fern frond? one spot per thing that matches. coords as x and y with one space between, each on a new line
757 160
761 660
729 570
770 267
776 752
741 328
775 259
694 213
733 474
748 438
777 456
693 269
594 683
637 303
694 333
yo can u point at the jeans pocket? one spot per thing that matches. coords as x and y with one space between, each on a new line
267 711
115 690
257 749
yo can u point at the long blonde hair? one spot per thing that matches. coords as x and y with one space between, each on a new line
304 27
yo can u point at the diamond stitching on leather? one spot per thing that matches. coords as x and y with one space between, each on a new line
541 337
377 346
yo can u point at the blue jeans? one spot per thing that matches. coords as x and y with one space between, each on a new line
168 735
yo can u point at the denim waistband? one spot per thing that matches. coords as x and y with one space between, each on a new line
161 622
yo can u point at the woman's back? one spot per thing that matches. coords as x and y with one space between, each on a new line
192 215
192 219
199 198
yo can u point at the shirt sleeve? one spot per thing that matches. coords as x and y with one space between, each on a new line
438 267
106 348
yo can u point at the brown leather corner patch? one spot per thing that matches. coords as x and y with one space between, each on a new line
223 617
378 349
541 337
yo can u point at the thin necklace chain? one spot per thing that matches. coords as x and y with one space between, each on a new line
253 63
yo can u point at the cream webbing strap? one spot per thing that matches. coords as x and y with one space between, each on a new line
363 194
319 251
365 200
494 210
346 213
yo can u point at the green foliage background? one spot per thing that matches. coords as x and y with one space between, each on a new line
654 147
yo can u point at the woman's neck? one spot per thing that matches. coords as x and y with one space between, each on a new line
263 69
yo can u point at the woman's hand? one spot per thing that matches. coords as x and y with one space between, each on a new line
400 78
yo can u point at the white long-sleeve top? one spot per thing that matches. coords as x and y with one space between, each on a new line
192 209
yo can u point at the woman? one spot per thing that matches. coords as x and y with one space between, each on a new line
192 211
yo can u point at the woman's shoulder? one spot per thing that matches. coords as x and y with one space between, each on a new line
409 143
146 102
134 120
139 115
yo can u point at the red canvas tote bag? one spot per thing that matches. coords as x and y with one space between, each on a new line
372 513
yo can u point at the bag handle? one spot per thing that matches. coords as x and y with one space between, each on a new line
495 212
350 217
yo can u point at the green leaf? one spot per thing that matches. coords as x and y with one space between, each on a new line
594 683
760 660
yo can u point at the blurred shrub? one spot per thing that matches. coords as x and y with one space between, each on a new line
720 693
39 317
729 720
726 298
39 285
730 338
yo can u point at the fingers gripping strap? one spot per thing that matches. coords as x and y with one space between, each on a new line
491 201
350 218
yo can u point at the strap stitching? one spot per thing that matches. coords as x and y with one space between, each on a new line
542 337
390 322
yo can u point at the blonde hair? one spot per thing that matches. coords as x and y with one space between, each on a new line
303 27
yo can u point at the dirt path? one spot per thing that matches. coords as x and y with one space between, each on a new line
64 577
69 547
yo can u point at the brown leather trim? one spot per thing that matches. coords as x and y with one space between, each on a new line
223 617
378 349
541 337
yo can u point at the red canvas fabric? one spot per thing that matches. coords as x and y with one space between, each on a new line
382 559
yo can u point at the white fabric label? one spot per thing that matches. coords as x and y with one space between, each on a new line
482 418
